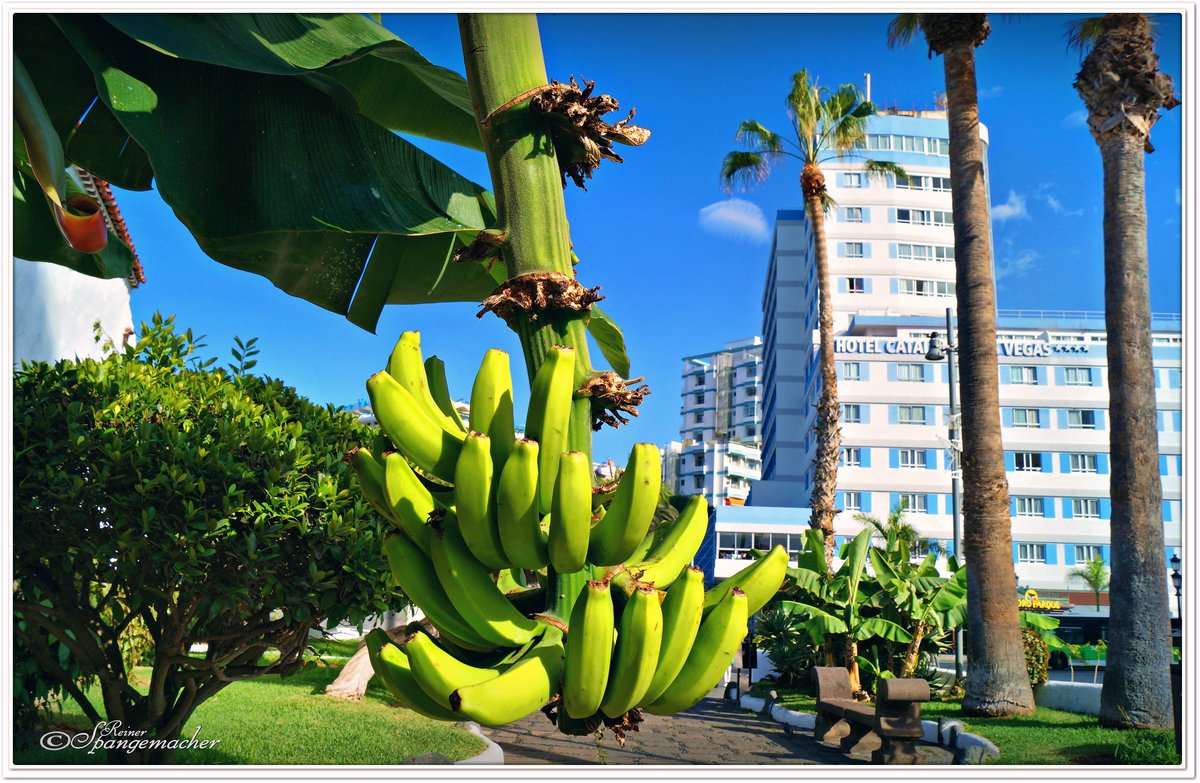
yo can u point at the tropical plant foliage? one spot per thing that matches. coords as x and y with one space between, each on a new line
209 508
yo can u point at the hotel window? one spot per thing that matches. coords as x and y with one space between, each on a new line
1023 375
910 414
913 503
926 287
748 409
698 482
852 457
751 391
910 373
851 413
1085 553
697 417
924 217
854 180
1081 420
854 215
1085 508
854 249
851 371
1031 553
1026 417
1077 376
699 399
1029 507
698 460
1083 463
1029 461
855 285
852 502
912 458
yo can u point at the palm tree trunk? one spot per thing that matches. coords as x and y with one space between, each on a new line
829 435
1137 684
998 684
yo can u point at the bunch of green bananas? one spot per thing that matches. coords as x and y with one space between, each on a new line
482 516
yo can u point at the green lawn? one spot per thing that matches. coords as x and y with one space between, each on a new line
1046 737
277 720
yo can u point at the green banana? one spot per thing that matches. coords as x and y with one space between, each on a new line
407 367
435 374
681 612
416 576
392 666
589 649
618 534
409 500
760 581
521 689
674 552
549 414
638 642
370 479
718 640
517 508
438 672
492 405
507 583
475 501
469 585
430 446
571 513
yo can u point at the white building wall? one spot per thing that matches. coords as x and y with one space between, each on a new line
54 309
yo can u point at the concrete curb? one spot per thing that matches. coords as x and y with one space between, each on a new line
491 754
968 748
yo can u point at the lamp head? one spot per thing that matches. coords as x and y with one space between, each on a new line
1175 562
934 354
1177 580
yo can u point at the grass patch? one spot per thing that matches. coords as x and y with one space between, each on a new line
1045 737
278 720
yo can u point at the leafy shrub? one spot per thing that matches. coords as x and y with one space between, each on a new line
1037 656
783 637
211 507
1147 747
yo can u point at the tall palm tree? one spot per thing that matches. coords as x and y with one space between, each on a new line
998 683
1094 574
1123 90
827 126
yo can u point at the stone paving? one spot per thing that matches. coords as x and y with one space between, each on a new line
715 731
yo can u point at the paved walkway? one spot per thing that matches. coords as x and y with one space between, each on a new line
715 731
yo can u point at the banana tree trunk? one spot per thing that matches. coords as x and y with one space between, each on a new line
913 652
1137 684
829 436
998 684
503 55
851 652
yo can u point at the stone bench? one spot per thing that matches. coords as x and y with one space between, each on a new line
895 721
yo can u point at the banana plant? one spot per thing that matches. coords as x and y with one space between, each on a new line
837 599
918 597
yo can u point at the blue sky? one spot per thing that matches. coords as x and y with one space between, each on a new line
681 267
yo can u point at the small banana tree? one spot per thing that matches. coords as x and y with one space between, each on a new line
919 598
835 599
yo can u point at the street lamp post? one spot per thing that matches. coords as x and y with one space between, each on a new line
936 353
1177 580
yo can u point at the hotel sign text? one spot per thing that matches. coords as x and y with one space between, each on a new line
893 345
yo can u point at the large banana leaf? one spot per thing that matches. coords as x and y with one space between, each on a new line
348 55
877 626
275 177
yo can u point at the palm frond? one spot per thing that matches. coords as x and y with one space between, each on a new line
744 169
903 29
756 136
828 204
804 107
1082 34
881 168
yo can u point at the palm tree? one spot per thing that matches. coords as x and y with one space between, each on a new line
827 126
1123 90
1094 574
998 684
898 534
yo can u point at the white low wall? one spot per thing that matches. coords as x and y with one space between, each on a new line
1082 697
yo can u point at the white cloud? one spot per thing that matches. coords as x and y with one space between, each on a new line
1057 208
991 92
1076 119
735 218
1016 265
1013 208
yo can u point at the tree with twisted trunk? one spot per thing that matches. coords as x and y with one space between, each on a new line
828 126
998 684
1124 91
